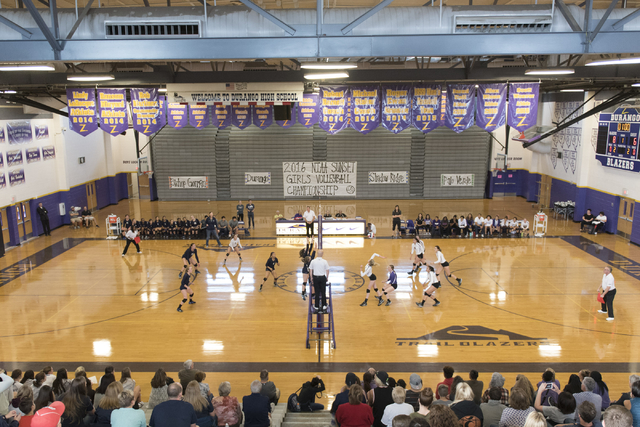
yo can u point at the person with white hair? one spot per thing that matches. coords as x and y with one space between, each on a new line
256 407
497 380
464 406
187 374
587 395
398 407
625 397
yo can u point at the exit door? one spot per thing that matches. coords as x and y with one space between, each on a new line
25 230
92 200
625 217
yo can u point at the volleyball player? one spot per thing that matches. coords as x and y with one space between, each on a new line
430 287
194 226
185 288
390 286
234 246
418 259
186 226
307 254
142 227
271 270
156 227
190 257
368 271
445 265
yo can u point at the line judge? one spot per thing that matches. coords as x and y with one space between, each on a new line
309 216
608 289
319 273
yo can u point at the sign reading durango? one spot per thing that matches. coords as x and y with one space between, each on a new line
310 179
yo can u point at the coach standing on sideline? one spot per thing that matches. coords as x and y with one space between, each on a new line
43 213
309 216
608 289
250 218
319 273
211 229
240 211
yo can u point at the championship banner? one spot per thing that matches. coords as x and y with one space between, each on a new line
241 116
221 116
48 153
199 116
3 183
16 177
365 113
19 132
83 117
177 114
14 158
146 107
42 132
334 103
309 110
492 102
262 116
188 182
33 155
114 117
311 179
257 178
2 134
396 107
242 93
523 105
460 108
425 110
288 123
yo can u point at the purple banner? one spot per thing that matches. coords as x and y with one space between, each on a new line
199 116
426 107
2 134
83 118
16 177
19 132
42 132
365 113
3 182
334 108
1 160
309 110
460 108
33 155
146 105
262 116
241 116
492 102
288 123
14 158
221 116
396 107
48 152
523 105
114 117
178 116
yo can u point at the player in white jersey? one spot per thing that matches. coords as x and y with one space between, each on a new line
430 287
445 265
368 271
234 246
417 254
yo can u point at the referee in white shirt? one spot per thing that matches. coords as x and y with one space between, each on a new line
309 216
608 289
319 274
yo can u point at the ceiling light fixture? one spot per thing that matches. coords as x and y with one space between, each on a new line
324 76
636 85
8 91
621 61
571 90
334 66
27 67
90 77
549 71
162 89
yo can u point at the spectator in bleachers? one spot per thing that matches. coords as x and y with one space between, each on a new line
297 216
587 219
558 408
601 389
413 394
617 416
45 397
25 393
462 226
424 402
159 387
586 415
367 384
443 416
549 394
492 410
28 377
443 391
457 380
587 394
600 222
476 386
343 397
203 407
129 383
37 383
574 385
49 376
108 404
16 376
354 413
401 421
444 227
307 397
633 404
626 396
398 407
77 404
269 389
465 408
102 388
227 408
61 383
523 383
126 416
584 373
187 374
50 416
535 419
28 410
519 408
205 390
497 380
448 379
174 412
379 397
256 407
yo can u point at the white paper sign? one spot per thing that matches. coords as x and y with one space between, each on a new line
257 178
457 180
188 182
242 93
398 177
312 179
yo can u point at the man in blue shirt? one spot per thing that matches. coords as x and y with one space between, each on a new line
174 412
256 407
343 396
212 229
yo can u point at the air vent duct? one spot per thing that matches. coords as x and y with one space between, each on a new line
502 24
153 29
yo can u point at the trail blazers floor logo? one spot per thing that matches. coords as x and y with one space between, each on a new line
472 336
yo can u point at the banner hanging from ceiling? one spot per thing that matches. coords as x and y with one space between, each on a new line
492 102
148 116
523 105
221 116
396 107
365 108
199 116
112 104
460 108
83 118
288 123
262 116
334 108
309 110
426 107
178 115
236 93
241 116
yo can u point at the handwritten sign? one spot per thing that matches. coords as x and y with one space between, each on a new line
257 178
188 182
457 180
311 179
400 177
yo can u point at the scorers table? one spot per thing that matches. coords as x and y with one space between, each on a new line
330 227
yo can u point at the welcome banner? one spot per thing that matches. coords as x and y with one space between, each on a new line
365 112
426 107
83 117
221 116
492 102
262 116
309 110
146 108
523 105
199 116
460 108
396 107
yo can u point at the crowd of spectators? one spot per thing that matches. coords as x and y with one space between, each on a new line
470 226
182 228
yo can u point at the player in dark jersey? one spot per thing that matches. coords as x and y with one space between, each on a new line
156 227
194 226
166 227
306 255
174 229
271 270
185 289
190 257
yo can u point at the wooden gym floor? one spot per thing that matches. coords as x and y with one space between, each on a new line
524 304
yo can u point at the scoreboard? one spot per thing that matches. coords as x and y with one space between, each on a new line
617 143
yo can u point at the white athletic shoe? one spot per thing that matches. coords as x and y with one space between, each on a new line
609 318
122 254
139 252
601 311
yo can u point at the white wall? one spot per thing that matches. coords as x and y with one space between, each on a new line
91 147
518 157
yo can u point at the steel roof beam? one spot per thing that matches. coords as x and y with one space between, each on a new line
81 17
630 17
564 9
269 17
368 14
604 18
43 27
9 23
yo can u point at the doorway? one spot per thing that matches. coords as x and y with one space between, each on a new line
132 185
92 201
25 226
625 217
5 227
544 196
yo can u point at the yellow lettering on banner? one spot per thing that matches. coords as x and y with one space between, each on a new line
395 126
308 120
199 123
458 122
80 95
261 123
113 129
332 94
286 122
491 121
364 127
82 128
521 123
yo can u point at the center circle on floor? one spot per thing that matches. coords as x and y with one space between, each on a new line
342 281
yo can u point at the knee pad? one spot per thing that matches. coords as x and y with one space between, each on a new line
192 294
376 289
449 275
184 300
368 291
426 294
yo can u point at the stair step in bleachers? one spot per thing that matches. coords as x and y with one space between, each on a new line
307 419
